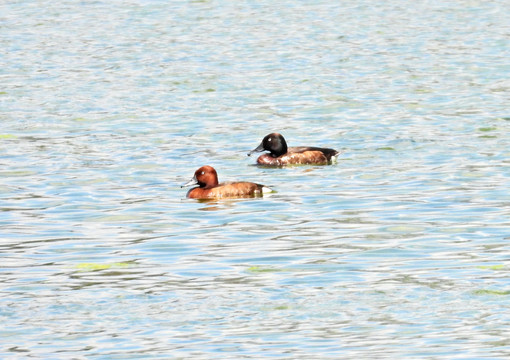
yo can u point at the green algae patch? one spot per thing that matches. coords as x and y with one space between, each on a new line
7 136
18 173
487 129
492 292
423 91
491 267
385 148
97 266
271 308
405 229
208 90
259 269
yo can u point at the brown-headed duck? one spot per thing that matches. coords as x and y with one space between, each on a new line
280 154
208 187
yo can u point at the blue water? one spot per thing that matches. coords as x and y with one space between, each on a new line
398 251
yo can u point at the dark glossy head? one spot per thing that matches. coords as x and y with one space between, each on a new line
274 143
205 177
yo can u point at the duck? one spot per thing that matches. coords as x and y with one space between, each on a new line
208 187
281 155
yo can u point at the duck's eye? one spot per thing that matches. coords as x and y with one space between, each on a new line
269 139
202 173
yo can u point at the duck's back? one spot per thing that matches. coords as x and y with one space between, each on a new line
328 153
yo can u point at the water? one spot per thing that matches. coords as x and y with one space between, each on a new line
398 251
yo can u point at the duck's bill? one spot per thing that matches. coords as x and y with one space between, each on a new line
257 149
190 183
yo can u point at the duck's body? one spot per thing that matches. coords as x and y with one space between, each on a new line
227 190
208 187
281 155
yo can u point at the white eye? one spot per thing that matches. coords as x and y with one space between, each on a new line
269 139
202 173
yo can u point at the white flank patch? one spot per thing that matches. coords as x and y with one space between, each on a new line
334 159
266 190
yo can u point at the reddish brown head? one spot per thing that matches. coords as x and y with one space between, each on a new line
205 177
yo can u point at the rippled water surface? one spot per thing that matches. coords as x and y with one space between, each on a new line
400 250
